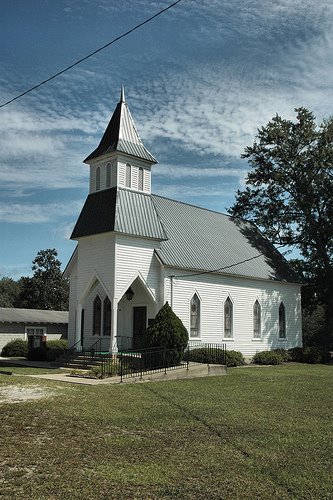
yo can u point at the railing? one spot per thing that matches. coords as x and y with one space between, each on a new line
93 352
136 363
70 353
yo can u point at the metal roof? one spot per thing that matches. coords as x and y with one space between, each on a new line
203 240
191 237
119 210
121 135
14 315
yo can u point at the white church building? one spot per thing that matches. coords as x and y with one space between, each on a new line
136 250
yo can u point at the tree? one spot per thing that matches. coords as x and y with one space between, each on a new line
289 195
47 288
166 332
9 292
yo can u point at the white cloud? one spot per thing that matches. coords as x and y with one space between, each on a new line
34 213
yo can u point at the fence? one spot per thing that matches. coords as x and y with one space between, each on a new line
136 363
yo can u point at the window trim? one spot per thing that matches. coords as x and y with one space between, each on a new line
128 175
97 322
140 179
34 327
106 302
256 305
198 320
98 179
282 323
228 301
108 175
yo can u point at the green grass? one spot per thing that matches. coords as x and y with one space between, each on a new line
255 433
27 370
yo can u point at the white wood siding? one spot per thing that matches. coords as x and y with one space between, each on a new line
213 290
135 165
134 255
72 306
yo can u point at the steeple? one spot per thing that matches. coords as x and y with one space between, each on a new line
121 135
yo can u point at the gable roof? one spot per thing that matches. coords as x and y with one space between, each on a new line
119 210
121 135
191 238
17 315
207 241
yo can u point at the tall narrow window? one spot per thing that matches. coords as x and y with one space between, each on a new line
97 316
195 317
107 316
140 180
98 178
128 175
257 320
108 175
228 319
282 321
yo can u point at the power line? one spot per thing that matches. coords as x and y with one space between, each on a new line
220 268
90 55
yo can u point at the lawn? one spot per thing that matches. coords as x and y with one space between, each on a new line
262 432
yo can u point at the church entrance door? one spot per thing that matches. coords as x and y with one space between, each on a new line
139 325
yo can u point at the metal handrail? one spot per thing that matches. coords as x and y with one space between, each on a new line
69 353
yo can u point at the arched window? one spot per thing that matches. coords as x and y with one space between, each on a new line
228 310
282 321
98 178
195 317
97 316
108 175
140 180
128 175
107 316
257 320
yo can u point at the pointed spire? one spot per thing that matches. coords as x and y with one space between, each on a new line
121 135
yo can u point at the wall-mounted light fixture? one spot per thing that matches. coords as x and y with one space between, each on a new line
129 294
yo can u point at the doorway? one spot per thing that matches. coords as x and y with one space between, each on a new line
139 325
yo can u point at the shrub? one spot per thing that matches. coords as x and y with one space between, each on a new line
166 332
234 358
55 348
52 351
37 354
284 353
267 358
296 354
310 355
205 355
14 348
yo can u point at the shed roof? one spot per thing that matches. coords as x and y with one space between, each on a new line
16 315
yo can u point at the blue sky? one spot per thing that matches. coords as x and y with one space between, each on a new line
199 80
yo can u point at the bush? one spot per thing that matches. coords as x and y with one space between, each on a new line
267 358
205 355
214 356
310 355
296 354
55 348
284 353
234 358
37 354
166 332
15 348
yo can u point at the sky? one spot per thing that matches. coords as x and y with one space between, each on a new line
199 81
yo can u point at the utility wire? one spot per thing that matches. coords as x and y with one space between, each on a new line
91 54
220 268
